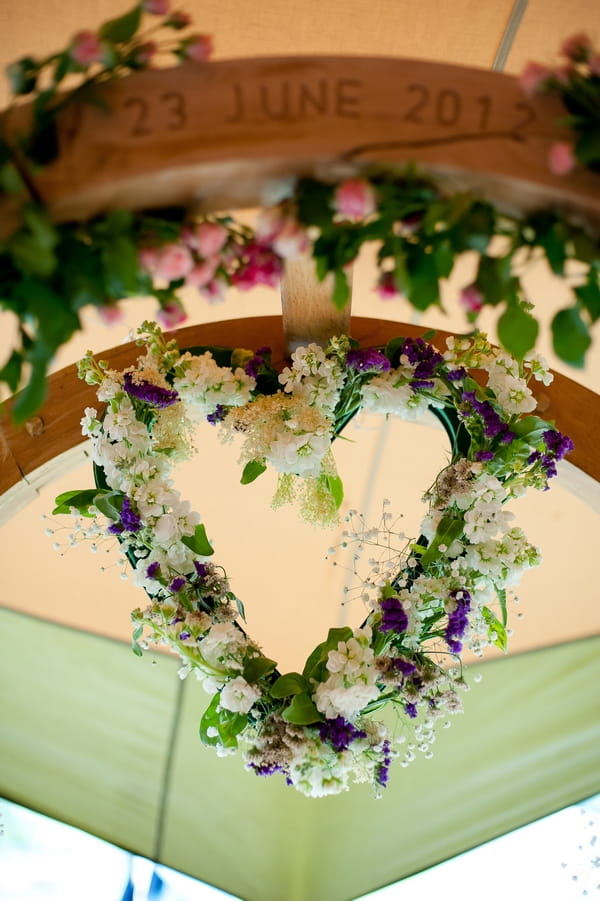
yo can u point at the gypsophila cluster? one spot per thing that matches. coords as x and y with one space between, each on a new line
426 599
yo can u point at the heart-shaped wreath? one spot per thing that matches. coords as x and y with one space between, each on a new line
425 602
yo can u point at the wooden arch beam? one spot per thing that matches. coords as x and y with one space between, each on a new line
222 135
35 452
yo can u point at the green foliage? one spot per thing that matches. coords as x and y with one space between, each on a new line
252 470
314 667
517 330
571 337
79 499
123 28
257 667
227 724
198 542
302 711
290 684
496 631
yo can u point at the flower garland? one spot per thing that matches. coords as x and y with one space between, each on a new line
51 271
425 600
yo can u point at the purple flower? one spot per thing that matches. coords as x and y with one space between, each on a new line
259 359
382 771
558 445
394 618
457 619
493 425
177 583
130 520
424 357
183 636
153 571
219 415
483 456
115 528
367 359
149 393
267 769
339 733
455 375
411 710
406 667
201 569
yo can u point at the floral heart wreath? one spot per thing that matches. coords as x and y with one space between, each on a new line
425 602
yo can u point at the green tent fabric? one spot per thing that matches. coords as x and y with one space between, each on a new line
109 742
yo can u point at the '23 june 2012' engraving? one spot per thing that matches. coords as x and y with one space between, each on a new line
286 101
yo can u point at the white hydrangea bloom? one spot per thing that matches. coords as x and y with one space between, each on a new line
238 695
314 377
205 385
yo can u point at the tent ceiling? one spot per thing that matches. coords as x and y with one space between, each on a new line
88 726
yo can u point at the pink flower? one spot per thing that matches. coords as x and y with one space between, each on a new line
171 314
386 286
268 224
260 266
110 314
292 240
471 299
156 7
174 262
214 291
198 48
210 238
561 159
577 47
354 199
145 52
149 258
534 78
86 48
201 274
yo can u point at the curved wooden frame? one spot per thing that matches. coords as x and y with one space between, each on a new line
45 446
217 136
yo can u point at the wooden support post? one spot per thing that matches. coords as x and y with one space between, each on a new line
308 313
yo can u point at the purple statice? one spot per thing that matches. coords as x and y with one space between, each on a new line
383 769
457 375
367 359
201 569
493 425
410 709
153 571
394 618
130 519
557 444
425 359
267 769
115 528
457 619
340 733
483 456
151 394
547 463
260 358
183 636
178 583
219 414
405 667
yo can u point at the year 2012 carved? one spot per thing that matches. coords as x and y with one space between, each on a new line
447 108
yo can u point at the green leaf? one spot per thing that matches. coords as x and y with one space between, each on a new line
336 489
80 499
589 295
443 256
257 667
121 267
517 330
501 592
227 724
495 628
123 28
314 203
553 241
493 276
10 373
109 503
32 248
320 653
33 395
531 428
290 684
22 75
198 542
302 711
252 470
587 147
424 285
570 335
448 530
341 289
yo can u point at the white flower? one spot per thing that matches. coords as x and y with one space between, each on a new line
90 425
238 695
205 385
166 529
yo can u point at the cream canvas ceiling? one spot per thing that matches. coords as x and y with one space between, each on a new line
96 737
